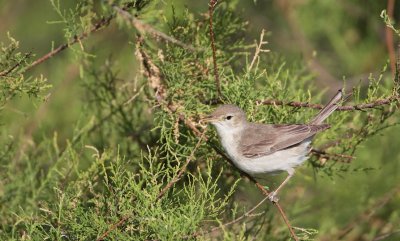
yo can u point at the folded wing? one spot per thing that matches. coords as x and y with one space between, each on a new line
260 140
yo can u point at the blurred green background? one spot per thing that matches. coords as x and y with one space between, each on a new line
336 39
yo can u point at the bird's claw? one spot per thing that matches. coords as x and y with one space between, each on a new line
273 197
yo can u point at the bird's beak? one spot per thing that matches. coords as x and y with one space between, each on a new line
209 119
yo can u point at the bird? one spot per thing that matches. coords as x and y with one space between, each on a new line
257 148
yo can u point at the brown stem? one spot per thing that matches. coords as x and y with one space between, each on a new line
322 153
6 72
211 6
298 104
114 226
146 28
77 39
99 25
280 209
389 38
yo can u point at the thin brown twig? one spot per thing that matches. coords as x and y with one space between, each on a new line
7 71
280 209
343 157
397 76
99 25
103 22
211 7
146 28
389 38
259 49
298 104
114 226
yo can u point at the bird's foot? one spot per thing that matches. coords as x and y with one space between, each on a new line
273 197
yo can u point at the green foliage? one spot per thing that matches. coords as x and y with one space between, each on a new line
131 138
12 65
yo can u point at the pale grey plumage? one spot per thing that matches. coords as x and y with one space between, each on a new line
261 139
263 148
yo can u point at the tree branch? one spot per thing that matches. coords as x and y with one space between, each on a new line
146 28
149 68
105 21
162 192
389 38
259 49
211 7
6 72
360 107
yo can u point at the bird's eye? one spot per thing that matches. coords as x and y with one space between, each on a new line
229 117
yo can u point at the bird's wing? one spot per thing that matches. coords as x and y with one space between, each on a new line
260 140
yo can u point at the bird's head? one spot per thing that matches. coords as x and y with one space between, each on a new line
227 117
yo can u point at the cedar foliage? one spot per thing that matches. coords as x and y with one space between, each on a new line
141 100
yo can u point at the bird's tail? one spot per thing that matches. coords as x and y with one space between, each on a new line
328 109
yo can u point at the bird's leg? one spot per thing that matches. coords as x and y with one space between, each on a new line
273 195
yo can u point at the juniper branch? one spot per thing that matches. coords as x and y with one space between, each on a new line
360 107
7 71
143 28
162 192
173 108
103 22
211 7
389 38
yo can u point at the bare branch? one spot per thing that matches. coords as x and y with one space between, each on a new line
298 104
259 49
389 38
211 7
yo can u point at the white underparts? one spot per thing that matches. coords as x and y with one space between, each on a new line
282 160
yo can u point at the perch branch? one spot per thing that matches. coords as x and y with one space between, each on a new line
155 82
